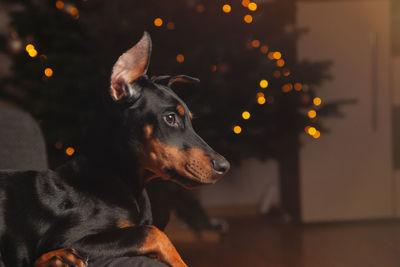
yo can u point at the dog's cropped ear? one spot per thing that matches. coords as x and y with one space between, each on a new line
129 67
170 80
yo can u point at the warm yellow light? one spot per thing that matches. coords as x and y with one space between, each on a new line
260 94
298 86
245 3
312 130
287 87
180 58
48 72
70 151
317 134
73 11
263 83
277 55
271 55
226 8
261 100
32 53
255 43
59 4
286 72
264 49
280 63
158 22
252 6
29 47
317 101
170 25
246 115
307 128
312 114
248 19
237 129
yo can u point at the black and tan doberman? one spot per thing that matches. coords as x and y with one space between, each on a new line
95 207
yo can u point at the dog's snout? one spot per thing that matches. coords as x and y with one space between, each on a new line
220 165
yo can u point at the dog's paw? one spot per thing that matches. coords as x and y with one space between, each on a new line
67 257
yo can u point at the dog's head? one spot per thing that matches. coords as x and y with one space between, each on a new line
158 123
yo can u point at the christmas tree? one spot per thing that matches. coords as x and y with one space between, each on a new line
254 99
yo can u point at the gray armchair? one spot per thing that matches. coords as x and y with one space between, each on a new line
22 144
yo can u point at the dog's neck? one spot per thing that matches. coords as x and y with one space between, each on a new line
105 156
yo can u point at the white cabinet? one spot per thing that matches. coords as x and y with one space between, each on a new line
347 174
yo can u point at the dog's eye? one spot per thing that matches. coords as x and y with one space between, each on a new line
171 119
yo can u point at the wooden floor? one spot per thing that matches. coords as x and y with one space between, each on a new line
254 241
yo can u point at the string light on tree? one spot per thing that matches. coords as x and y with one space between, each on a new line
237 129
263 83
261 100
312 114
280 63
264 49
312 130
70 151
180 58
252 6
277 55
255 43
317 101
60 4
248 19
317 134
246 115
30 48
158 22
48 72
245 3
298 86
226 8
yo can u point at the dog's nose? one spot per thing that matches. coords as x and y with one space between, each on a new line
220 165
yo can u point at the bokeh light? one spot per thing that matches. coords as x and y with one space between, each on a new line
312 130
226 8
158 22
248 19
180 58
48 72
255 43
70 151
263 83
312 114
237 129
246 115
261 100
317 101
252 6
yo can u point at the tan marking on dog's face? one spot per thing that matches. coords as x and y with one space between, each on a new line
148 131
124 223
180 110
192 164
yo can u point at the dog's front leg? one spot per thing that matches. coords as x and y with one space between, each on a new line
145 240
